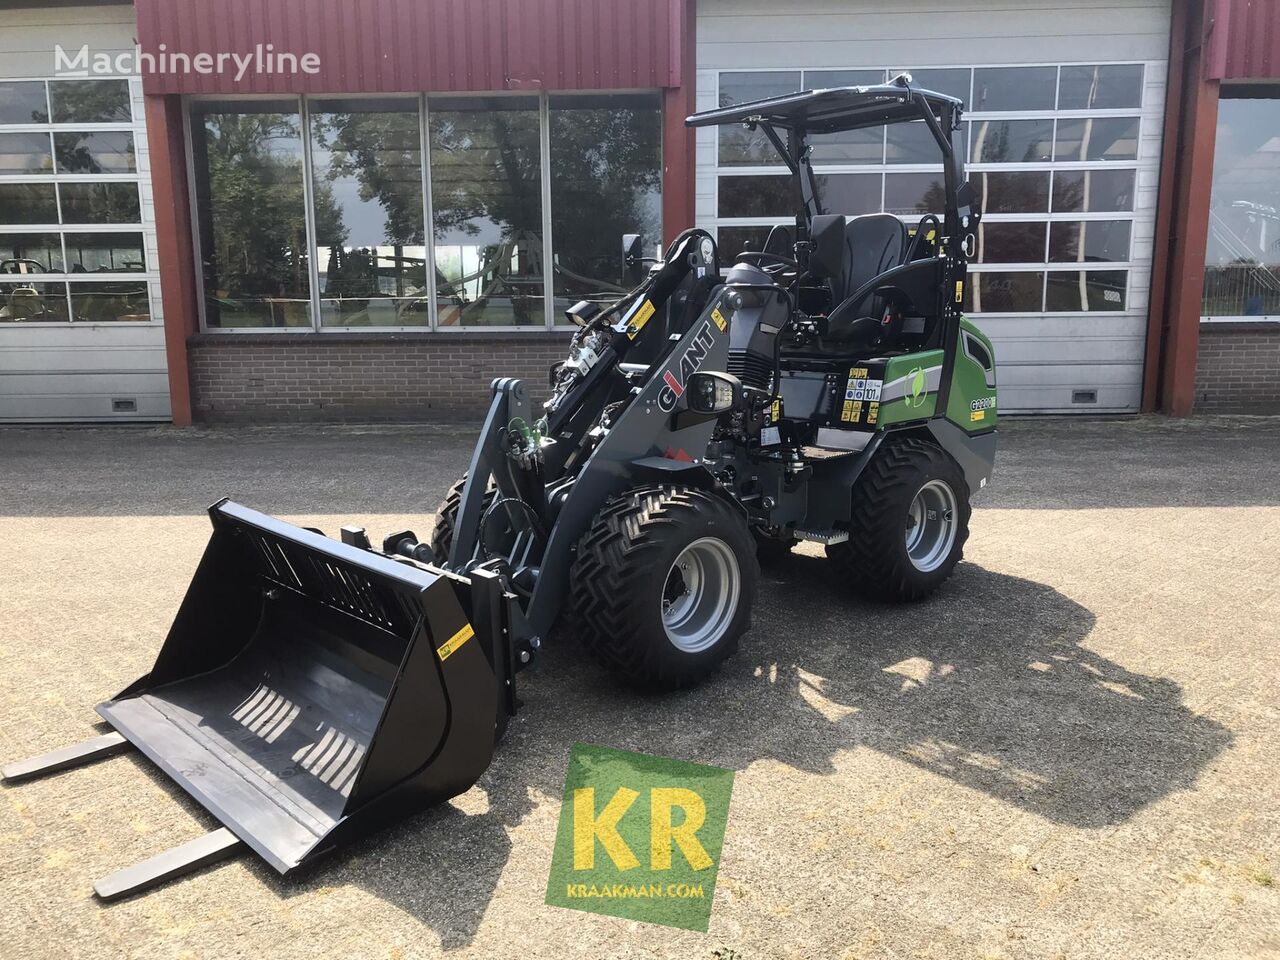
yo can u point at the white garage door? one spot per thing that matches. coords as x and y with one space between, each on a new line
81 335
1065 106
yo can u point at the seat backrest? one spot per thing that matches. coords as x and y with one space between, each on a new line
873 244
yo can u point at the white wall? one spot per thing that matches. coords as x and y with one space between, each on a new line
1042 358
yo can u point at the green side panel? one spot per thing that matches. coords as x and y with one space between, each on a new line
972 403
910 389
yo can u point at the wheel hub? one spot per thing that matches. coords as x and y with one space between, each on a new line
931 525
700 594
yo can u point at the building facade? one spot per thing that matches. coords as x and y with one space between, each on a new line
367 211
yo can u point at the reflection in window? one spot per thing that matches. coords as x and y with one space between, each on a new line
1005 292
738 145
1015 192
25 153
90 101
253 237
487 208
1014 88
23 101
1086 291
606 180
22 203
1092 191
30 301
30 253
1098 138
370 246
1011 242
914 193
1108 86
102 152
105 253
1012 141
851 194
100 203
1242 258
760 196
1086 241
110 302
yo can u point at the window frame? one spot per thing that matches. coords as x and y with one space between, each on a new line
1131 266
144 225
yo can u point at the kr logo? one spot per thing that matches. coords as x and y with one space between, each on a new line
917 387
639 837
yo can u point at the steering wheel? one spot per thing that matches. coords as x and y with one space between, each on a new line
777 265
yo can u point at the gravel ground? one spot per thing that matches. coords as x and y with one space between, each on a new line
1070 751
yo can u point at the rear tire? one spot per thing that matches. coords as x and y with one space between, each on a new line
447 518
663 584
910 521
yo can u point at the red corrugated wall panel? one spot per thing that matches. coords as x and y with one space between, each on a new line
1244 40
380 46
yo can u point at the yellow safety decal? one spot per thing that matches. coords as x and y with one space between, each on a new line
718 317
977 415
640 319
858 373
873 411
776 412
959 291
453 643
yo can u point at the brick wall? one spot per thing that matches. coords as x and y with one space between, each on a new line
1238 370
294 377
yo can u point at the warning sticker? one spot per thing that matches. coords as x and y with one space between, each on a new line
719 319
640 318
446 649
977 415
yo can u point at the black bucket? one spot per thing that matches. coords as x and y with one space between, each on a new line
310 690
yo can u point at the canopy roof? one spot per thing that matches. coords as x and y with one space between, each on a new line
832 110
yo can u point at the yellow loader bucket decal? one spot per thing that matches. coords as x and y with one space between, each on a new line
454 642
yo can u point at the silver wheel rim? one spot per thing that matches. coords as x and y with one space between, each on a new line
700 594
931 526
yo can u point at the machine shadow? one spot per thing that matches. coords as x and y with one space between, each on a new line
987 684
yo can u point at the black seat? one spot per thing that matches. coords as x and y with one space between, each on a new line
872 244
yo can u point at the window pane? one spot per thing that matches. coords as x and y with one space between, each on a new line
370 244
1104 241
22 153
1011 242
954 82
914 193
606 180
1100 138
1086 290
253 235
23 101
28 203
851 194
105 253
1107 86
733 240
95 152
912 143
30 253
1005 292
1092 191
738 145
819 79
1019 192
1242 259
851 146
110 302
32 302
1012 141
758 196
100 203
487 200
1014 88
90 101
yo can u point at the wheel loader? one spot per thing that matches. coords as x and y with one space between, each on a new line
825 388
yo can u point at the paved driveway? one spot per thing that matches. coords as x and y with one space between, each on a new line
1070 751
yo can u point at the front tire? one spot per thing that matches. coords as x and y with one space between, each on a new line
910 521
663 584
447 518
